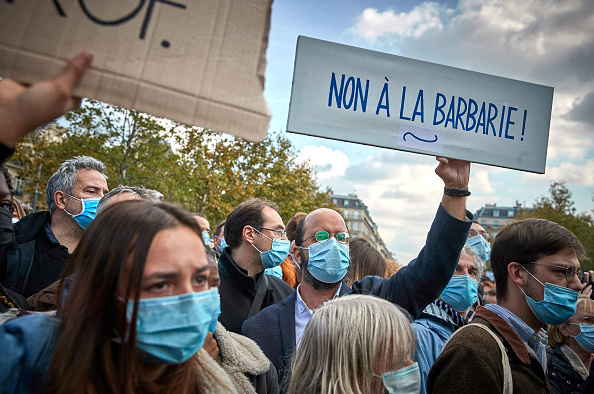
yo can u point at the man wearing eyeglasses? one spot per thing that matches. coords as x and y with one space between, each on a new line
256 239
536 265
322 251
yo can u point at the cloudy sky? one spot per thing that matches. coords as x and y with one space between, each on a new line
540 41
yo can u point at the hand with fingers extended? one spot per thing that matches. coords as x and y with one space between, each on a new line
24 108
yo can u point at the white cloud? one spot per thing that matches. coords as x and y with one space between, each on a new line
548 42
326 162
373 24
572 174
480 183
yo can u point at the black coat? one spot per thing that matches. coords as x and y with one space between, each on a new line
563 378
31 261
238 290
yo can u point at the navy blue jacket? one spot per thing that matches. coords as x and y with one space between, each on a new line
413 287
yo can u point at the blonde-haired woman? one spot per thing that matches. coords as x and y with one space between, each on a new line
356 344
572 345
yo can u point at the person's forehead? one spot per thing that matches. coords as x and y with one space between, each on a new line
90 178
123 197
202 223
565 257
466 261
272 219
324 220
477 227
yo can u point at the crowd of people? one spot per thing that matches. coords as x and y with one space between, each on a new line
120 291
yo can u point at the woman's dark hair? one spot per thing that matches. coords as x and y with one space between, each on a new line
108 261
365 260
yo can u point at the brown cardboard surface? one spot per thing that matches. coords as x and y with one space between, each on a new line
200 62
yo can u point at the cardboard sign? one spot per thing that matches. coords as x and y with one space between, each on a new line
357 95
200 62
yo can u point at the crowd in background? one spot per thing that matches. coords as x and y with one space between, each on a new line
121 291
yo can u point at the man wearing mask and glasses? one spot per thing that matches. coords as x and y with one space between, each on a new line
256 240
536 264
322 250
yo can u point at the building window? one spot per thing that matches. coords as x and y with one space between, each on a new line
335 201
355 214
496 213
346 213
495 223
355 225
345 202
510 214
483 222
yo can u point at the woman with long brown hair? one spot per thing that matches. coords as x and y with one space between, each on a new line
135 317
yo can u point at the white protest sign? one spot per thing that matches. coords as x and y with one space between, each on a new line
357 95
200 62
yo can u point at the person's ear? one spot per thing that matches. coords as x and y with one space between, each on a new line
517 274
296 252
249 234
60 199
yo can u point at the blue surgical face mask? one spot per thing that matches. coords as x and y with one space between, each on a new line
461 292
558 305
404 380
170 330
328 262
223 244
206 238
481 245
276 271
277 253
89 210
217 312
586 337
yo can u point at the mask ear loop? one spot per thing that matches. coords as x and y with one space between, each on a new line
297 266
82 203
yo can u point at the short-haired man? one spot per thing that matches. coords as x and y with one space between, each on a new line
322 250
535 263
256 237
44 240
445 315
219 239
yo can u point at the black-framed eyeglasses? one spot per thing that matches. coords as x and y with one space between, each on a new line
570 270
279 233
323 236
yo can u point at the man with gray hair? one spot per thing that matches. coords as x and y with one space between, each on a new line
124 193
43 241
445 315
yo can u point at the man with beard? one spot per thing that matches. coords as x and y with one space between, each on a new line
322 250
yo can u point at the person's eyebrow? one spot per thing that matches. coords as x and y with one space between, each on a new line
162 275
172 274
202 269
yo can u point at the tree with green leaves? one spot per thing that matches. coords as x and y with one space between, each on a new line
559 208
204 171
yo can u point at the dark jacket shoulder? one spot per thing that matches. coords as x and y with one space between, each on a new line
30 226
